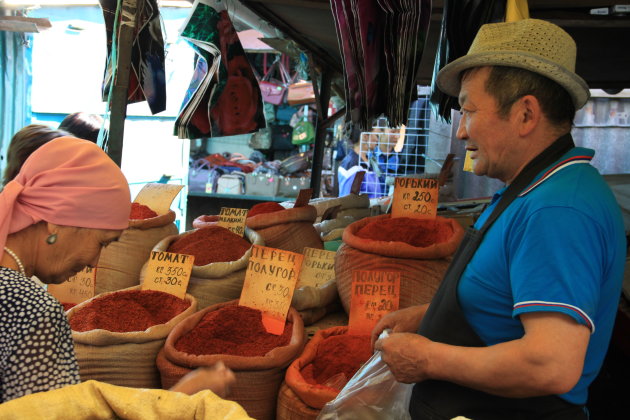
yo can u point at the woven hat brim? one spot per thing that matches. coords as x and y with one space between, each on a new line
448 79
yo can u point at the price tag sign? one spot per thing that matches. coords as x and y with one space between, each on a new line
158 197
415 197
468 162
233 219
168 272
77 288
374 294
269 283
304 196
318 267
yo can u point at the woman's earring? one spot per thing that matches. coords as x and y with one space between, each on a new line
52 238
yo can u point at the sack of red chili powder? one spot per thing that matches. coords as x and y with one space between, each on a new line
213 282
117 335
121 261
327 363
291 407
235 336
205 220
288 229
417 248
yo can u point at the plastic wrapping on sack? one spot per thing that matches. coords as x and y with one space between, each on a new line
372 393
215 282
125 359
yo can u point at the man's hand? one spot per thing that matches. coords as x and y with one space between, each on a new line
404 320
404 354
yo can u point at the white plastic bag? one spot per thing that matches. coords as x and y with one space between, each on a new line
372 393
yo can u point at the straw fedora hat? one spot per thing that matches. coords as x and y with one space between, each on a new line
530 44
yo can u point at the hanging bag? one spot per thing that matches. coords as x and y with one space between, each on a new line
273 90
301 93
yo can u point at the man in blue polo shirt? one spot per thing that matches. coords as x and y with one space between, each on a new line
522 320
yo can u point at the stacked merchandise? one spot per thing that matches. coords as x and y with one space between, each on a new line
381 43
223 98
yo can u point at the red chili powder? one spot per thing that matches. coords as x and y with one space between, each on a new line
338 354
67 306
211 244
129 310
261 208
140 211
416 232
236 330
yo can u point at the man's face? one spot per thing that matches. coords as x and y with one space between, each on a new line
488 137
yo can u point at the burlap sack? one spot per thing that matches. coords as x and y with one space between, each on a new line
313 396
421 268
258 379
215 282
290 229
124 359
291 407
205 220
347 202
121 261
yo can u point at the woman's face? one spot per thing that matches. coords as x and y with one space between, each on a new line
75 249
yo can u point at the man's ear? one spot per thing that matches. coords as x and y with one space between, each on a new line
528 114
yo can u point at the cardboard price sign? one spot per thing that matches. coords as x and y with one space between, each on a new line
168 272
158 197
415 197
318 267
77 288
269 283
233 219
374 294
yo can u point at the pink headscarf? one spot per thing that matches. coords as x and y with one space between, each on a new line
69 182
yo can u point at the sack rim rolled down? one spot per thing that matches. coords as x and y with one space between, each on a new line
306 213
315 396
151 222
285 354
215 269
397 249
100 337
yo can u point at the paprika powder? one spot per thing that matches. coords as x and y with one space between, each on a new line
416 232
236 330
338 358
127 311
140 211
262 208
211 244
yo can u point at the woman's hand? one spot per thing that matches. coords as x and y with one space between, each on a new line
218 379
403 320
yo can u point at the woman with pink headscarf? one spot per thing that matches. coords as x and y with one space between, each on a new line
68 201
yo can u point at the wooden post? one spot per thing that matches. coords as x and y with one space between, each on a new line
118 106
322 97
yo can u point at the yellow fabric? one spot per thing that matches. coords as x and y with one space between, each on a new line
98 400
516 10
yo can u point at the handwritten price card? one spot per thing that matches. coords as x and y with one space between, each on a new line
269 283
374 294
77 289
318 267
415 197
168 272
233 219
158 197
